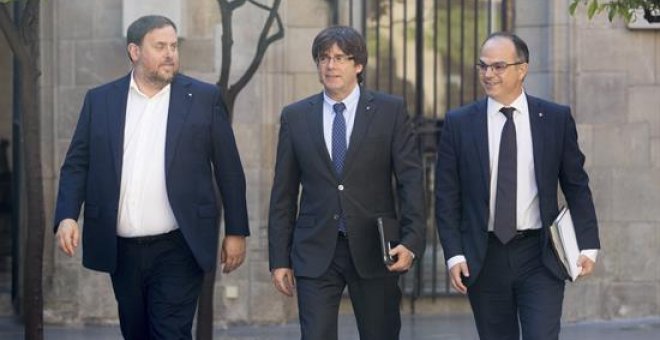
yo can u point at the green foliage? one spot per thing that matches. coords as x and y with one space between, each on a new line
625 9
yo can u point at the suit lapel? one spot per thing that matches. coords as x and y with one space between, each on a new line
481 141
536 115
363 114
180 101
315 122
116 115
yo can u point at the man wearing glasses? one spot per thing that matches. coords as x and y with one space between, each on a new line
500 162
342 148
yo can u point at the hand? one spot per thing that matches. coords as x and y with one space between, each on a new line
455 276
68 235
404 259
233 252
283 280
587 266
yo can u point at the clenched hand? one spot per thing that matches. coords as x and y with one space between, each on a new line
455 273
283 280
233 252
68 235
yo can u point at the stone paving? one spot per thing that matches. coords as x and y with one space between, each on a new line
413 328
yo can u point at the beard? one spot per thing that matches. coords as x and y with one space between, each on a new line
161 76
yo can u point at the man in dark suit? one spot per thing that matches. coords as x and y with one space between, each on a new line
500 161
142 160
343 147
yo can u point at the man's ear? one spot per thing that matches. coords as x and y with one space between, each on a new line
524 68
133 51
359 68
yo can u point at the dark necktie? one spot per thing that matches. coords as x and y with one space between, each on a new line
504 225
339 138
339 150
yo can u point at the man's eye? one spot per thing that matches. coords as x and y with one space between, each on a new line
499 66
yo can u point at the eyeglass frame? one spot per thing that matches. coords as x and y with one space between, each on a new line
338 59
482 67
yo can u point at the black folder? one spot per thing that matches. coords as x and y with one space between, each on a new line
388 233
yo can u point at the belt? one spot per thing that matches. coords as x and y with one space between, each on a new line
151 238
521 234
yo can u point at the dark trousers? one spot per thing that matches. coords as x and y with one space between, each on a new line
375 301
156 284
515 291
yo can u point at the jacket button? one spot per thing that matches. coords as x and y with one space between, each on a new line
341 187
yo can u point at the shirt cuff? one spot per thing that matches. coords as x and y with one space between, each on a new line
592 254
455 260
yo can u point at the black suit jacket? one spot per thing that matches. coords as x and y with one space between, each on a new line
199 145
303 230
463 181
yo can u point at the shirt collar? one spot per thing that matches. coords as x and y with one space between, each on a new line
133 86
349 101
519 104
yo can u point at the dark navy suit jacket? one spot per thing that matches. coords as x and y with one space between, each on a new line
463 181
199 146
303 229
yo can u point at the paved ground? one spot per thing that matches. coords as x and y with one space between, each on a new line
414 328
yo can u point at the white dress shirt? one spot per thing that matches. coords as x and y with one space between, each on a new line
144 208
351 102
528 212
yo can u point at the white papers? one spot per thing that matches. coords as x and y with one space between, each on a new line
564 242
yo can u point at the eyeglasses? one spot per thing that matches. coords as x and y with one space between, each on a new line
498 68
338 59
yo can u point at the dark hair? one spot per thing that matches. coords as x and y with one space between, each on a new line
347 39
143 25
521 47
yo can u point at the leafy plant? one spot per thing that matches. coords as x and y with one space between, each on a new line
624 9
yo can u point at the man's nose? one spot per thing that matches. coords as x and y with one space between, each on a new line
170 52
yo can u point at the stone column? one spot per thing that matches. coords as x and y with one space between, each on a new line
609 76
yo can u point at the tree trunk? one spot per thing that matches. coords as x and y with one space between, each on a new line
205 307
34 247
23 39
229 93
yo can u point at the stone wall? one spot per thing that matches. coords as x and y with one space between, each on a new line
85 47
608 74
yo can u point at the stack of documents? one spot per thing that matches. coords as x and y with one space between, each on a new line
564 243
